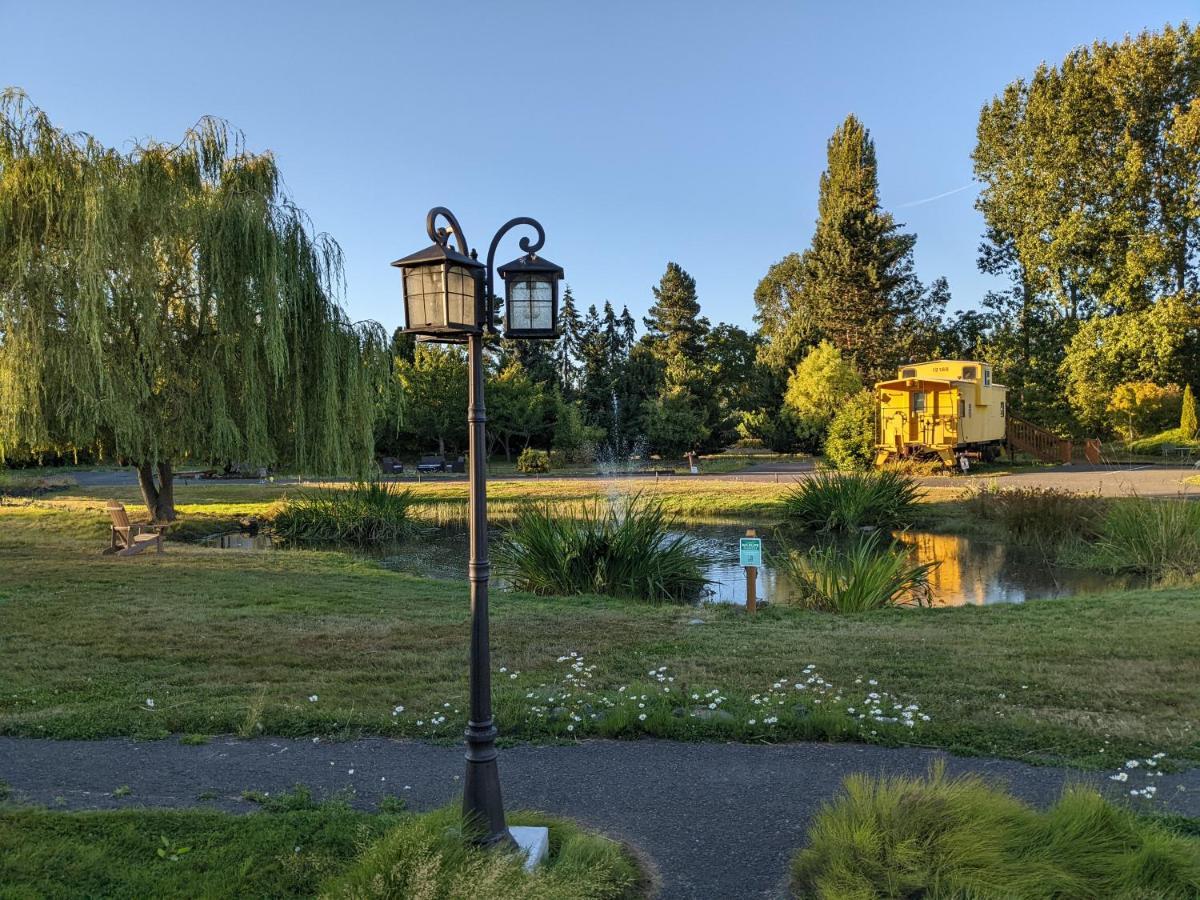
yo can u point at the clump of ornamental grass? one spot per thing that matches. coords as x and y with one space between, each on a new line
626 550
862 575
845 501
1159 538
1044 517
953 838
426 856
362 513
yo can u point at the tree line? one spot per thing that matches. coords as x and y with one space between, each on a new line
171 304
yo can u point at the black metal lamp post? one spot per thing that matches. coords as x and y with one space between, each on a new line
448 298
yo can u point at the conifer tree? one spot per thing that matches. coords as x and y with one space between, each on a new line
675 329
628 329
1187 417
858 274
566 349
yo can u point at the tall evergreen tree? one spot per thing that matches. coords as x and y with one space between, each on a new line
675 329
628 330
596 381
567 347
858 274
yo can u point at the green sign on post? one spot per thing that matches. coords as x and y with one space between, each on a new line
750 552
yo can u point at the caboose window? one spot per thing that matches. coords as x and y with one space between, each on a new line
969 373
908 373
918 402
987 376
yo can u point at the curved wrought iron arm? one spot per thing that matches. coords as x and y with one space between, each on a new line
525 245
441 235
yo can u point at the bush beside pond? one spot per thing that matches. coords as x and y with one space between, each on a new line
846 501
866 574
623 550
362 513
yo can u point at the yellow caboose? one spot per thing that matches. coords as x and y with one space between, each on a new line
946 408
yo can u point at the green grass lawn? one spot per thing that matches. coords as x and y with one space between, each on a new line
301 642
329 851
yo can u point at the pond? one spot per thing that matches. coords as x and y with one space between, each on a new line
969 571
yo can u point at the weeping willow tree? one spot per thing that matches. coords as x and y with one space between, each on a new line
170 305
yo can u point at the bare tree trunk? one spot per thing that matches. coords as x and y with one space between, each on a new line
158 498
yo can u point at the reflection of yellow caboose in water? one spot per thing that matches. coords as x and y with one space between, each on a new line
946 409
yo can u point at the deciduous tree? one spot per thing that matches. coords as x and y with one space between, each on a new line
171 303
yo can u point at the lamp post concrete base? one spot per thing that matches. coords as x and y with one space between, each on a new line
533 841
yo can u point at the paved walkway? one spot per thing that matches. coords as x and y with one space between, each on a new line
715 820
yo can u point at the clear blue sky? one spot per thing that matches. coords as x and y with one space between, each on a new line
637 132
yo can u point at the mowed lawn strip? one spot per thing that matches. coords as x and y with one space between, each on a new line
241 642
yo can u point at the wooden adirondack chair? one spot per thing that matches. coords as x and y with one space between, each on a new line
127 538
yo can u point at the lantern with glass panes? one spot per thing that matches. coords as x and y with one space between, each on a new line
448 293
530 297
443 291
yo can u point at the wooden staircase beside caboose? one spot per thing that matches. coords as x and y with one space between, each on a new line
1047 446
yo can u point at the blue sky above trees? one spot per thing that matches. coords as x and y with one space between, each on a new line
636 132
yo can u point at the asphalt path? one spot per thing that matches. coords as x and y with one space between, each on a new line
710 820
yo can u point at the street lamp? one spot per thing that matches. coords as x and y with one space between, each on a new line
448 298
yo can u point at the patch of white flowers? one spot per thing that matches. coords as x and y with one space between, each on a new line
570 701
1149 768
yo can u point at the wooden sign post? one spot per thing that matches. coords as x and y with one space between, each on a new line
750 557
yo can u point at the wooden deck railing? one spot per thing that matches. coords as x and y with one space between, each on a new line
1033 439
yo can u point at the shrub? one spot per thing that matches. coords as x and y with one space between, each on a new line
1160 444
625 551
1043 516
843 501
1142 407
818 387
944 838
362 513
425 856
1160 538
1189 426
860 577
533 461
850 443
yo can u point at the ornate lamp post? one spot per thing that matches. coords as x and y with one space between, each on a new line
448 298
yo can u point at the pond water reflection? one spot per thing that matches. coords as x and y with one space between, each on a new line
969 571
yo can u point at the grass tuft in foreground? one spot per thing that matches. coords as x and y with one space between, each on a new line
624 551
845 501
363 513
426 857
328 851
861 576
943 837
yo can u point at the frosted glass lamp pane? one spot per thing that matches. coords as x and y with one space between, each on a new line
460 286
423 295
530 306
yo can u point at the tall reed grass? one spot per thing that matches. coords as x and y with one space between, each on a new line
862 575
1043 517
949 838
625 550
362 513
1160 538
845 501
